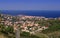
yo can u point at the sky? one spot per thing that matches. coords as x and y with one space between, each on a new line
29 4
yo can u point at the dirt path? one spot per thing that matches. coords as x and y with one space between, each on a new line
2 36
41 35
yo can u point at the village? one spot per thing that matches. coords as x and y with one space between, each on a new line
26 23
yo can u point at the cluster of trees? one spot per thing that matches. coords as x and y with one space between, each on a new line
7 30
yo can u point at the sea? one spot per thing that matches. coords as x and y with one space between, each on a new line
45 13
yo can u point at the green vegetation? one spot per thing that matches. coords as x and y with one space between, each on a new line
28 35
6 30
55 26
54 29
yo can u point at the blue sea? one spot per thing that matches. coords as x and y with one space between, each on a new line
44 13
